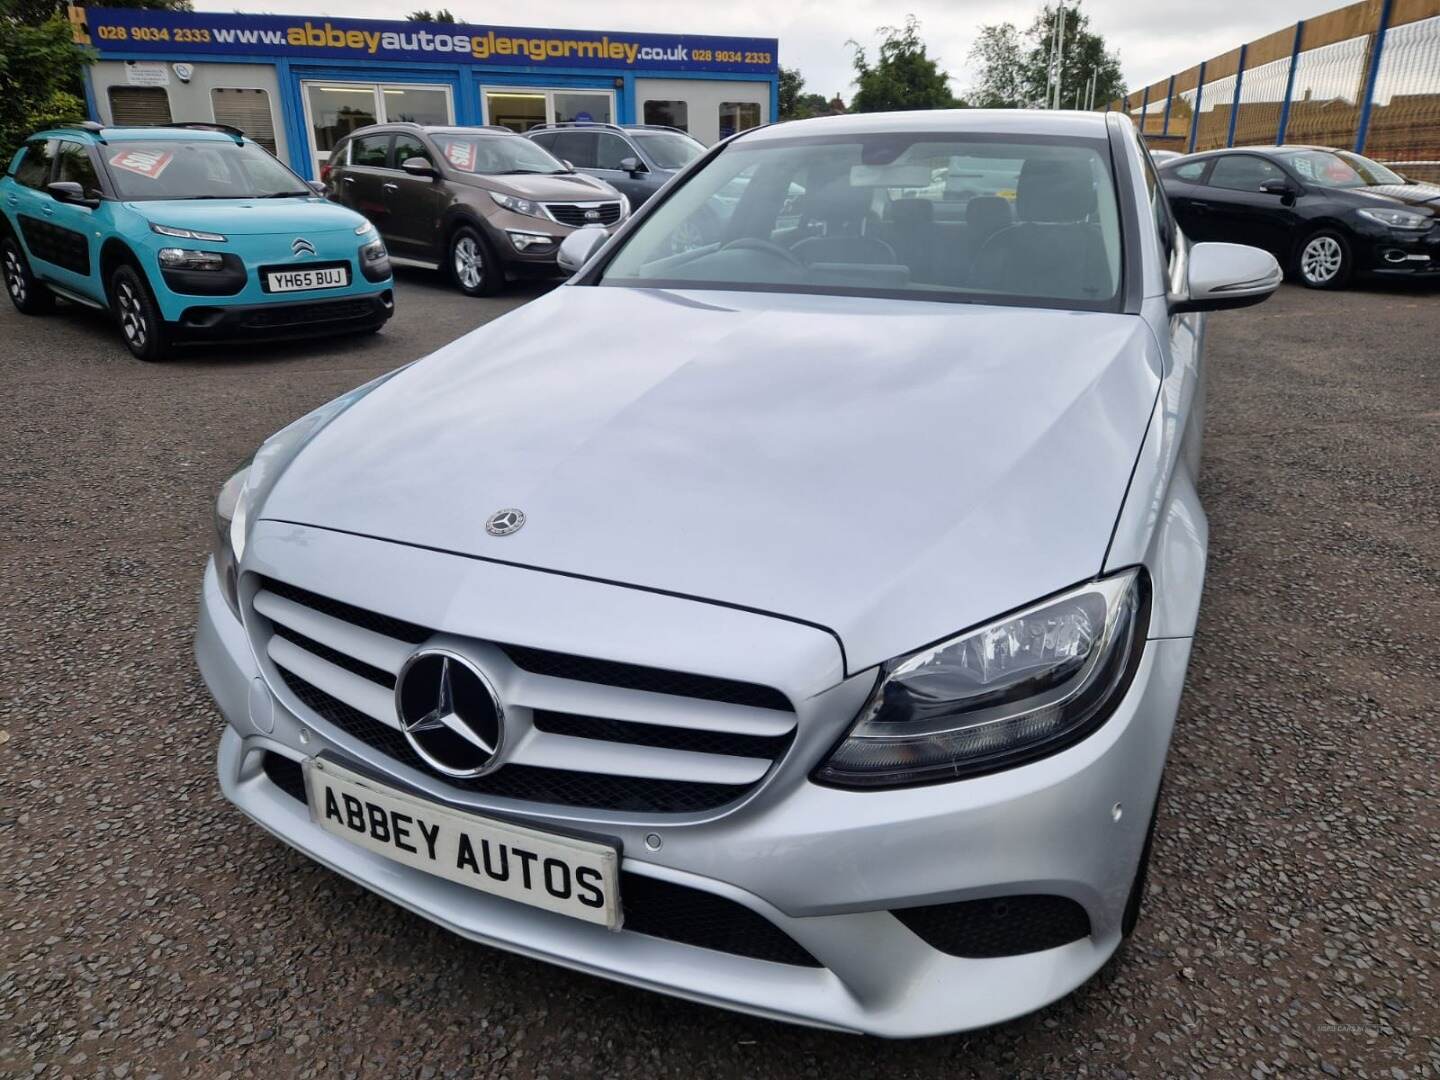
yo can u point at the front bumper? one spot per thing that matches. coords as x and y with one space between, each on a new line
283 320
1399 253
825 866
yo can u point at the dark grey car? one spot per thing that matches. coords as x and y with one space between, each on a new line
636 159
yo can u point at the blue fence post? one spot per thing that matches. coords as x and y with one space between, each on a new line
1144 108
1195 116
1169 98
1235 105
1290 83
1370 76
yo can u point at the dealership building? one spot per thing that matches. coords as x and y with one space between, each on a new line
297 84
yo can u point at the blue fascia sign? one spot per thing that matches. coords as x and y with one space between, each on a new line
195 34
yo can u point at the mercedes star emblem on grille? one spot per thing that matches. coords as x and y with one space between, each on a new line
450 713
504 522
301 246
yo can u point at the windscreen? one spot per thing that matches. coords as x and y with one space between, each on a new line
669 149
496 155
1341 170
197 169
933 216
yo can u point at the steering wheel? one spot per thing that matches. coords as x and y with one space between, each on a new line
765 247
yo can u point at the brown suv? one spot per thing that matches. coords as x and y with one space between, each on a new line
485 203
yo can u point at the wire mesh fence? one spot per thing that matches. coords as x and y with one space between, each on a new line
1364 77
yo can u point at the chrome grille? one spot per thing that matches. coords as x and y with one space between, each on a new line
607 213
591 732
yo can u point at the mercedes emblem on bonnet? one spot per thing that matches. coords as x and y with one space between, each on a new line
504 522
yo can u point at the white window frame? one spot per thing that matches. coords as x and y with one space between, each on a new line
377 89
548 92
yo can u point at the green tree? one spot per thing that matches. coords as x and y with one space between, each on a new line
903 76
791 84
441 15
40 70
1085 56
1015 68
999 54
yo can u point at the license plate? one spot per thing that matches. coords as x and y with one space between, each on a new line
579 878
336 277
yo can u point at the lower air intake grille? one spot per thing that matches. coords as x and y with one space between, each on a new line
999 926
653 907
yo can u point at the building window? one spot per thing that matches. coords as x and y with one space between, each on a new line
674 114
139 106
738 116
246 109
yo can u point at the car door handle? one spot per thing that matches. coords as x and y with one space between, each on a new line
392 187
48 211
348 179
1196 204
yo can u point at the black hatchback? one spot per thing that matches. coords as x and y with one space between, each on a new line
1325 214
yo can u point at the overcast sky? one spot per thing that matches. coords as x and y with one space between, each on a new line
1154 38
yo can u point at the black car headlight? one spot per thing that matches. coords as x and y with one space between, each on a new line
172 258
1019 688
1396 218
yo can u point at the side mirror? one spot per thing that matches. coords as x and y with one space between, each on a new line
317 186
576 249
568 166
633 165
418 166
68 191
1282 188
1221 276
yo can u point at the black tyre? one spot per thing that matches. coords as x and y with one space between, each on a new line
27 294
135 310
472 264
1324 260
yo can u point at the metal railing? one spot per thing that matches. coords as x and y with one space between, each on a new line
1364 77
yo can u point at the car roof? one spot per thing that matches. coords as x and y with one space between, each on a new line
96 133
392 126
1267 150
962 121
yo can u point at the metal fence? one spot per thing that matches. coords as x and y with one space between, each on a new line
1364 77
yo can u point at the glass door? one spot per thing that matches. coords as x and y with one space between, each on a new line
333 110
521 110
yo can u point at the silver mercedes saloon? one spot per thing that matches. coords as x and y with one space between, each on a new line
790 612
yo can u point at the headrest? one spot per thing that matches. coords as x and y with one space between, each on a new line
987 214
912 211
837 201
1052 190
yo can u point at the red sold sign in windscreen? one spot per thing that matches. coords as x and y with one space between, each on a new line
149 163
461 155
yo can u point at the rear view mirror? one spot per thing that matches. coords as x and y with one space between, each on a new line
418 166
1223 276
576 249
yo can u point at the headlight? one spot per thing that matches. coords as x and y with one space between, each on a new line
1398 219
624 206
190 259
242 495
373 251
1022 687
518 205
186 234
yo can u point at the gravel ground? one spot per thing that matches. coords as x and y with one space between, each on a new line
147 930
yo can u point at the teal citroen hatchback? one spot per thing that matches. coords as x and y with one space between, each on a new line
186 233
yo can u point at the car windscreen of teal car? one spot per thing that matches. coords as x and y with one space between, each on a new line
186 234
